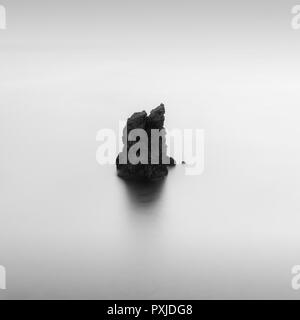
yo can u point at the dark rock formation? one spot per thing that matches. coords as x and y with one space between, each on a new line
154 164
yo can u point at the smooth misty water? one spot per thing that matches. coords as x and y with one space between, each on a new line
70 228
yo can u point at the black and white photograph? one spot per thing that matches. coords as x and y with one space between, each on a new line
149 150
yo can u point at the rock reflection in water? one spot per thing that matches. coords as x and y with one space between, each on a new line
144 193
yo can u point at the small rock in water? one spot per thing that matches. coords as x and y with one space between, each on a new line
154 162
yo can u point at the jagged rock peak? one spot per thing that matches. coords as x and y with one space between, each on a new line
149 170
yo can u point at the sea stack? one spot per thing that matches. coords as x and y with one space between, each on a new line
144 154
